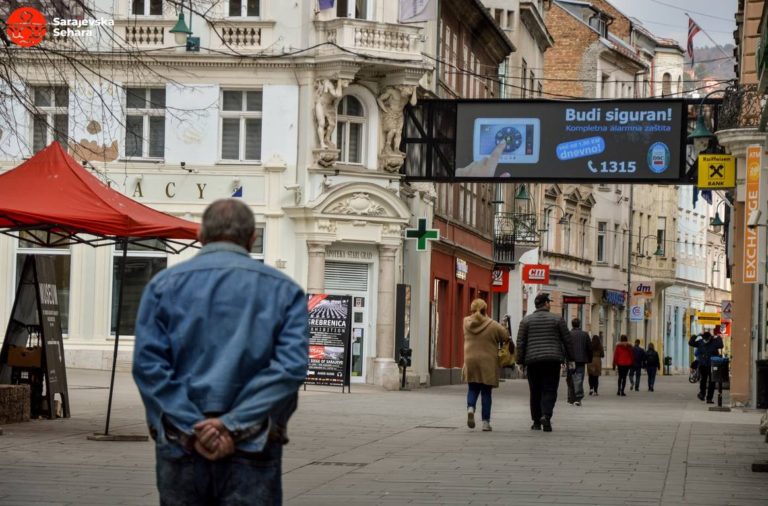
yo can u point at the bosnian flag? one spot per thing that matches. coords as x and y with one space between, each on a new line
693 29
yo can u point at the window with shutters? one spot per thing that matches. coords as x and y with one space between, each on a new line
145 122
50 119
241 125
350 130
346 276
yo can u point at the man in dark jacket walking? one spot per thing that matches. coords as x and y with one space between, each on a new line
637 367
580 351
542 341
708 347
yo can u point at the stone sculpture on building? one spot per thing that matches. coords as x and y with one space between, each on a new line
327 96
392 102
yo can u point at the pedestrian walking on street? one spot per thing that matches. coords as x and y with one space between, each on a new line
638 354
221 350
652 365
482 337
623 358
580 351
542 342
708 347
595 368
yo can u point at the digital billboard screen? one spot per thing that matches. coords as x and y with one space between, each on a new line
593 141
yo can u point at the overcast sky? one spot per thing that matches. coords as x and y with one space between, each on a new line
666 18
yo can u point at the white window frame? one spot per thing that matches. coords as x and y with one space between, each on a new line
244 10
352 10
256 253
117 256
146 12
146 113
661 234
342 123
601 248
50 112
243 115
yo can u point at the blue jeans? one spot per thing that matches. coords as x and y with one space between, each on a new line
192 480
634 377
475 389
651 376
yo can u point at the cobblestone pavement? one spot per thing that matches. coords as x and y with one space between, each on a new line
377 447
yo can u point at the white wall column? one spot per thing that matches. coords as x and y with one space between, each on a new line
386 372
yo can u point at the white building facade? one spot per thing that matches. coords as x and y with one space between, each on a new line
248 115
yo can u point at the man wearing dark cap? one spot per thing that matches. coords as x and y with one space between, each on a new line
542 345
708 347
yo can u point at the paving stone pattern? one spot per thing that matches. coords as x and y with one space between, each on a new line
378 447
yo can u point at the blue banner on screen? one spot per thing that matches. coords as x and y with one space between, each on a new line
622 140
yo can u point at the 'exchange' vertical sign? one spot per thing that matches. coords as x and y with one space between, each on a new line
754 154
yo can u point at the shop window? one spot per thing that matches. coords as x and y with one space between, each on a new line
241 125
257 251
61 263
145 122
142 263
350 130
50 119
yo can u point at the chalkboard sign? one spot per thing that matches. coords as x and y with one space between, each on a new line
36 313
330 323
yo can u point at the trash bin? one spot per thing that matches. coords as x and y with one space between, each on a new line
719 367
762 384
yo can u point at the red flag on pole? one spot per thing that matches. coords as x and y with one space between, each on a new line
693 29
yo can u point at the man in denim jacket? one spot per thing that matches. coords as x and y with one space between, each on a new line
221 350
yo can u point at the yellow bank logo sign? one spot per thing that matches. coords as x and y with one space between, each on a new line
717 171
708 318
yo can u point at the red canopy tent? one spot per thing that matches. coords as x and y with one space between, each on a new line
58 202
51 191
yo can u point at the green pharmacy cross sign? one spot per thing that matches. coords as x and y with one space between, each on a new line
423 234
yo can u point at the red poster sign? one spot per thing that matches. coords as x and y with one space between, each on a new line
536 274
500 280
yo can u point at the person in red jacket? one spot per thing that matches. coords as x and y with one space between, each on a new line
624 358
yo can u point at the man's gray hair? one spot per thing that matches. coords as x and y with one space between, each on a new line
228 220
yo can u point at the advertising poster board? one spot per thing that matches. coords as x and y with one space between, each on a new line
751 204
616 141
330 322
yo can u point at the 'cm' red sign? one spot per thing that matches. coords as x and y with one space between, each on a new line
536 274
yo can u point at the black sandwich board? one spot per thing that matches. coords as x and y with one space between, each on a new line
36 313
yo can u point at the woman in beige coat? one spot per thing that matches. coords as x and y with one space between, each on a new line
595 368
482 337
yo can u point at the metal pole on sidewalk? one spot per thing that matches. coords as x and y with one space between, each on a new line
629 261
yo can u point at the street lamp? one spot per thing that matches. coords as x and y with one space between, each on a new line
715 222
182 33
659 250
562 221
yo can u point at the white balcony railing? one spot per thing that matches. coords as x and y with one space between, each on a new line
145 33
242 35
371 37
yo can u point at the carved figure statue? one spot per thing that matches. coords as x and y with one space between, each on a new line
327 96
392 102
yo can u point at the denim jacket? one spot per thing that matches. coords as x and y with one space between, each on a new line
220 334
